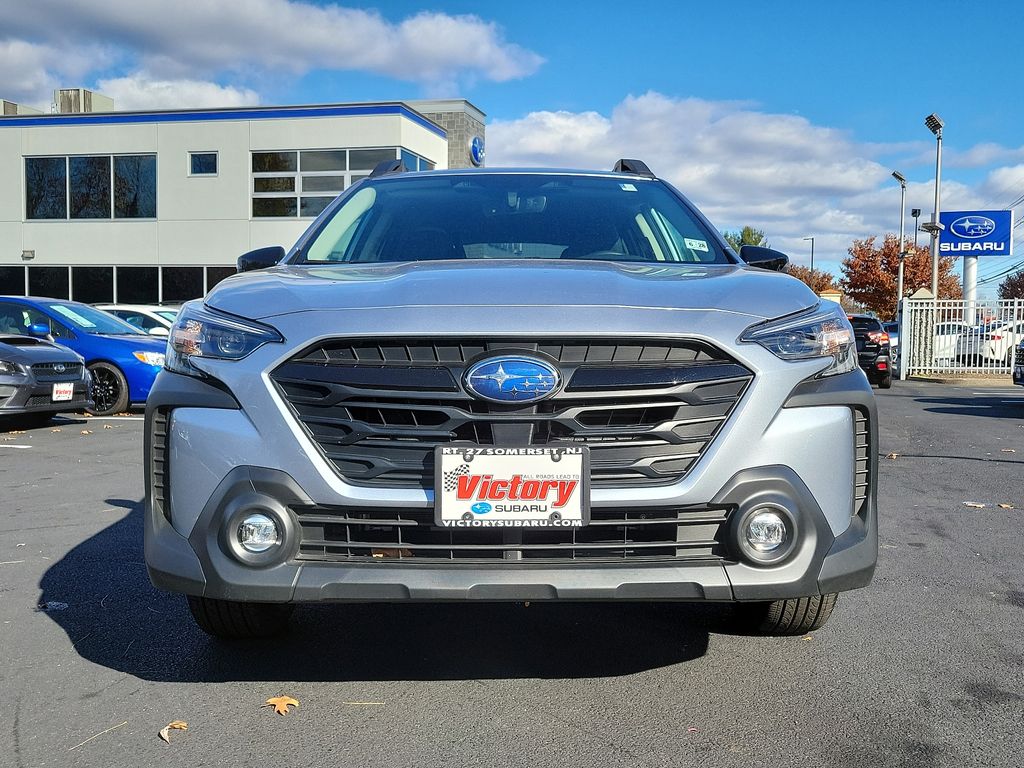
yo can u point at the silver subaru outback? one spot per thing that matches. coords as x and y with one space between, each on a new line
511 385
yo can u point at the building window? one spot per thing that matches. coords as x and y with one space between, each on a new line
181 284
92 285
202 163
90 187
135 187
12 281
215 274
286 184
138 285
414 162
46 188
49 282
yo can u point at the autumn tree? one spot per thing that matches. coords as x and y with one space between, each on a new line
1013 286
819 280
870 273
746 236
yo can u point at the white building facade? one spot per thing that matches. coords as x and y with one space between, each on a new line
145 207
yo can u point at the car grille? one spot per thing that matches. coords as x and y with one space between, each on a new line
57 371
862 459
1018 357
159 446
331 534
80 399
377 409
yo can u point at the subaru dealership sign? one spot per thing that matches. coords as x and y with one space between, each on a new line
976 233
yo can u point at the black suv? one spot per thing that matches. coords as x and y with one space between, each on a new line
873 351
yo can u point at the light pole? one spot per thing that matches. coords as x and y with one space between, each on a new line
916 213
934 124
812 256
903 251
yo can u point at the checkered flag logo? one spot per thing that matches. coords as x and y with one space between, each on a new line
451 479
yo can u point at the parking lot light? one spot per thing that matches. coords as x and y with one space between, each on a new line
902 251
934 124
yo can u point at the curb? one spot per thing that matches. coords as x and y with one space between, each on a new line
1000 380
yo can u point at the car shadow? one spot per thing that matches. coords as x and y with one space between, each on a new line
115 618
989 406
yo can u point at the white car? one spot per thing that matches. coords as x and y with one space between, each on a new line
152 319
993 342
946 337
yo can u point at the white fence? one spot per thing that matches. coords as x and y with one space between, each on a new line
959 337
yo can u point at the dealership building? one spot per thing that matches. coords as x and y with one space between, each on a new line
147 207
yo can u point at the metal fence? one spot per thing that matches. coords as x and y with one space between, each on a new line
959 337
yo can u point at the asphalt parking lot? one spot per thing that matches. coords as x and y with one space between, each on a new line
924 668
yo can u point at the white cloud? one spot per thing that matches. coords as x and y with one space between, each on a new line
139 91
203 39
30 71
780 173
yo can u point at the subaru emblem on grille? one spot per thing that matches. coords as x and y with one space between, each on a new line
512 379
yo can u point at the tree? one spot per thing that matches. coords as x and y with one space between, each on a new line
1013 286
745 236
869 274
817 281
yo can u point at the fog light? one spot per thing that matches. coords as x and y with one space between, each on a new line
258 533
766 531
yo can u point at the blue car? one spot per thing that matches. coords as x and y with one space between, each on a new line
122 359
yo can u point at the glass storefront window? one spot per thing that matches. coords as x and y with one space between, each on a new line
92 285
138 285
12 281
46 188
135 187
182 283
49 282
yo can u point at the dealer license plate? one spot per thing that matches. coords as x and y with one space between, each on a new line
494 487
63 392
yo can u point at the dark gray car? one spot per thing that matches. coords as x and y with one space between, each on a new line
40 378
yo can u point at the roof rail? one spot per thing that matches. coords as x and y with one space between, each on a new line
637 167
385 167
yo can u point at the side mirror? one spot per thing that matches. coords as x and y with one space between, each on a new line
39 330
765 258
261 258
158 331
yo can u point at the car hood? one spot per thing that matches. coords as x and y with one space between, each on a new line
130 341
27 350
512 283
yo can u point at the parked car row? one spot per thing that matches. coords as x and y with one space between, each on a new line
58 355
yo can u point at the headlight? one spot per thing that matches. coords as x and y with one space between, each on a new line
823 331
9 368
199 332
150 358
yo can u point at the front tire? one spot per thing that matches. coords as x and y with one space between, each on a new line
231 620
109 389
796 616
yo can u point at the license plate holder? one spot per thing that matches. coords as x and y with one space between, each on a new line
498 487
63 392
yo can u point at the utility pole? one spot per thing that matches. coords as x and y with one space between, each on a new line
812 256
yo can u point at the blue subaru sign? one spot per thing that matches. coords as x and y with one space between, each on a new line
976 233
477 151
512 379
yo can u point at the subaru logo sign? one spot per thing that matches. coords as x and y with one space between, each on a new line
972 226
512 380
477 151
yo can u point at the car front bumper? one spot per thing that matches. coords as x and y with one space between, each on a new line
186 548
23 394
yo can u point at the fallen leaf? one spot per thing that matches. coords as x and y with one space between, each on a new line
1007 450
20 545
174 725
892 455
16 432
391 553
107 426
691 729
974 505
281 704
1001 506
56 429
86 431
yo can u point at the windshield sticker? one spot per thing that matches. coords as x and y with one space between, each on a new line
696 245
628 187
73 316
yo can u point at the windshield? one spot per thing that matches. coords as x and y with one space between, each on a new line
506 216
168 314
84 318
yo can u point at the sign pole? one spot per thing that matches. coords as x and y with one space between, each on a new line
970 288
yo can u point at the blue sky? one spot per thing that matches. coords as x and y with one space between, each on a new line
789 116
